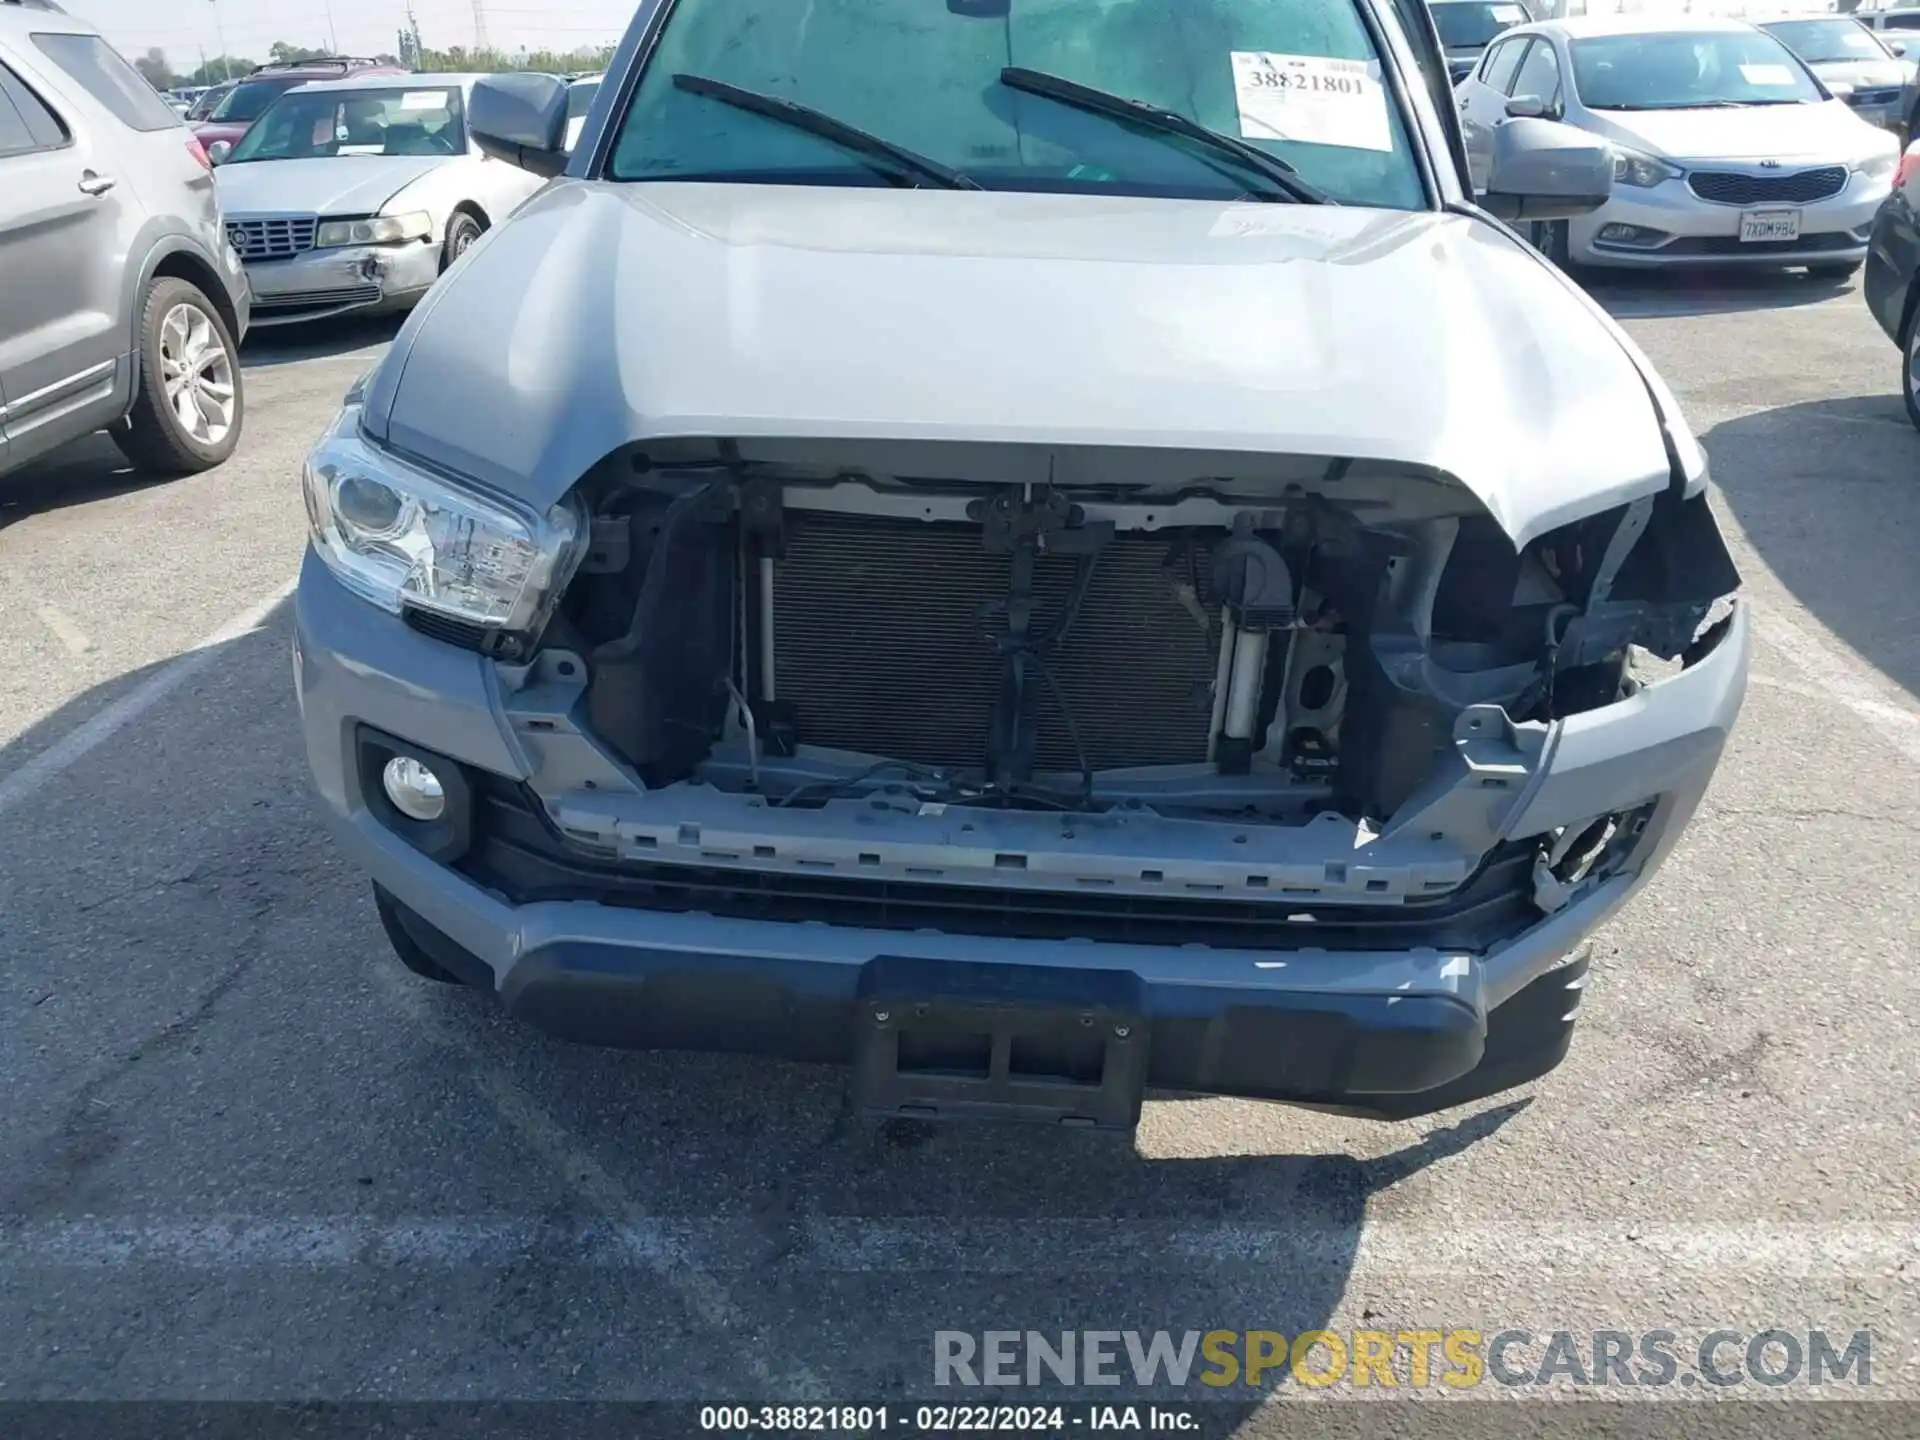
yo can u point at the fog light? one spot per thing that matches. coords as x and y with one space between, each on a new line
1629 235
416 792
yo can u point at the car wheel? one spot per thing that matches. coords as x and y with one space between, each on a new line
462 230
1910 370
188 401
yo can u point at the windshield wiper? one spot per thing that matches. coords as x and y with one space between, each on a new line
905 163
1284 179
1697 105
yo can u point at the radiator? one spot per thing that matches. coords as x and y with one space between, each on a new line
881 646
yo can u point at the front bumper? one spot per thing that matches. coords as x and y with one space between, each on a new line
1682 229
1392 1029
343 280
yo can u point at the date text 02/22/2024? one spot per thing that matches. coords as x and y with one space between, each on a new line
947 1419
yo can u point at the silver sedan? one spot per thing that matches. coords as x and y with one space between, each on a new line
1727 149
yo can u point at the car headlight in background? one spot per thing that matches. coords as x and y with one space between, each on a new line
378 230
1630 167
407 539
1877 167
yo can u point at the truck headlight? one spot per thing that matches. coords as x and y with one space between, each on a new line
404 538
378 230
1643 172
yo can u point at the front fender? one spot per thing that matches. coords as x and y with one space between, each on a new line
221 275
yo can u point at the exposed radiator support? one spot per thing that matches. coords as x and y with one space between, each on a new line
1256 589
1249 667
1222 682
766 630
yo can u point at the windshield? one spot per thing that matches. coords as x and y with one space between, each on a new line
309 124
1300 79
249 99
1469 26
1818 41
1680 71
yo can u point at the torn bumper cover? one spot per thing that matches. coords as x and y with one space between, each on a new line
1366 972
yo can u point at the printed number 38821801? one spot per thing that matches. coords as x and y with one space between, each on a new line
1312 81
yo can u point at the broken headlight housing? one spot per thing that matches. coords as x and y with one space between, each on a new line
409 539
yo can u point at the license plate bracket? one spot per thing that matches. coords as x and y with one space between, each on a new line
1770 225
944 1058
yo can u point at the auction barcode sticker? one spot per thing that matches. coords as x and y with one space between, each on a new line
1312 98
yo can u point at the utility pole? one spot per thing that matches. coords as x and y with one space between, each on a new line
479 25
410 47
333 36
226 69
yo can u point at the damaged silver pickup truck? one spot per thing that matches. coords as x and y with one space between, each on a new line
1037 549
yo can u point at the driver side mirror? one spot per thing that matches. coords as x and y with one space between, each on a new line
522 119
1543 170
1532 107
219 150
1898 47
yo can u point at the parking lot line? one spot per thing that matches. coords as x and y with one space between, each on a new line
693 1252
63 754
1833 675
64 629
647 1241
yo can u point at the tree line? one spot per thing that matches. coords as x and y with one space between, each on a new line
162 76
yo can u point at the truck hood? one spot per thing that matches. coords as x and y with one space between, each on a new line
604 315
328 185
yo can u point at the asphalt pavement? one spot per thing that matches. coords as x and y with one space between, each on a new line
244 1155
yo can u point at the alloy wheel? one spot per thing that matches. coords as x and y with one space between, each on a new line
198 374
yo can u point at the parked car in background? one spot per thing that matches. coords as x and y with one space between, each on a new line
1856 64
121 304
354 195
580 93
209 100
1727 149
1141 683
249 98
1893 257
1895 18
1467 27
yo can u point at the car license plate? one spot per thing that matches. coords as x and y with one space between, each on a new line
1758 225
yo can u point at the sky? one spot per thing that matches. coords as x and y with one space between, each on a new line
360 27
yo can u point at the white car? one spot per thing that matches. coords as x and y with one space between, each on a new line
580 95
354 195
1727 148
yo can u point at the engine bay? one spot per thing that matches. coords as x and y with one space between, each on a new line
1272 648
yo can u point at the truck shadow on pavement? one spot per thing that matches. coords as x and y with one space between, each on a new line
377 1183
1842 538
